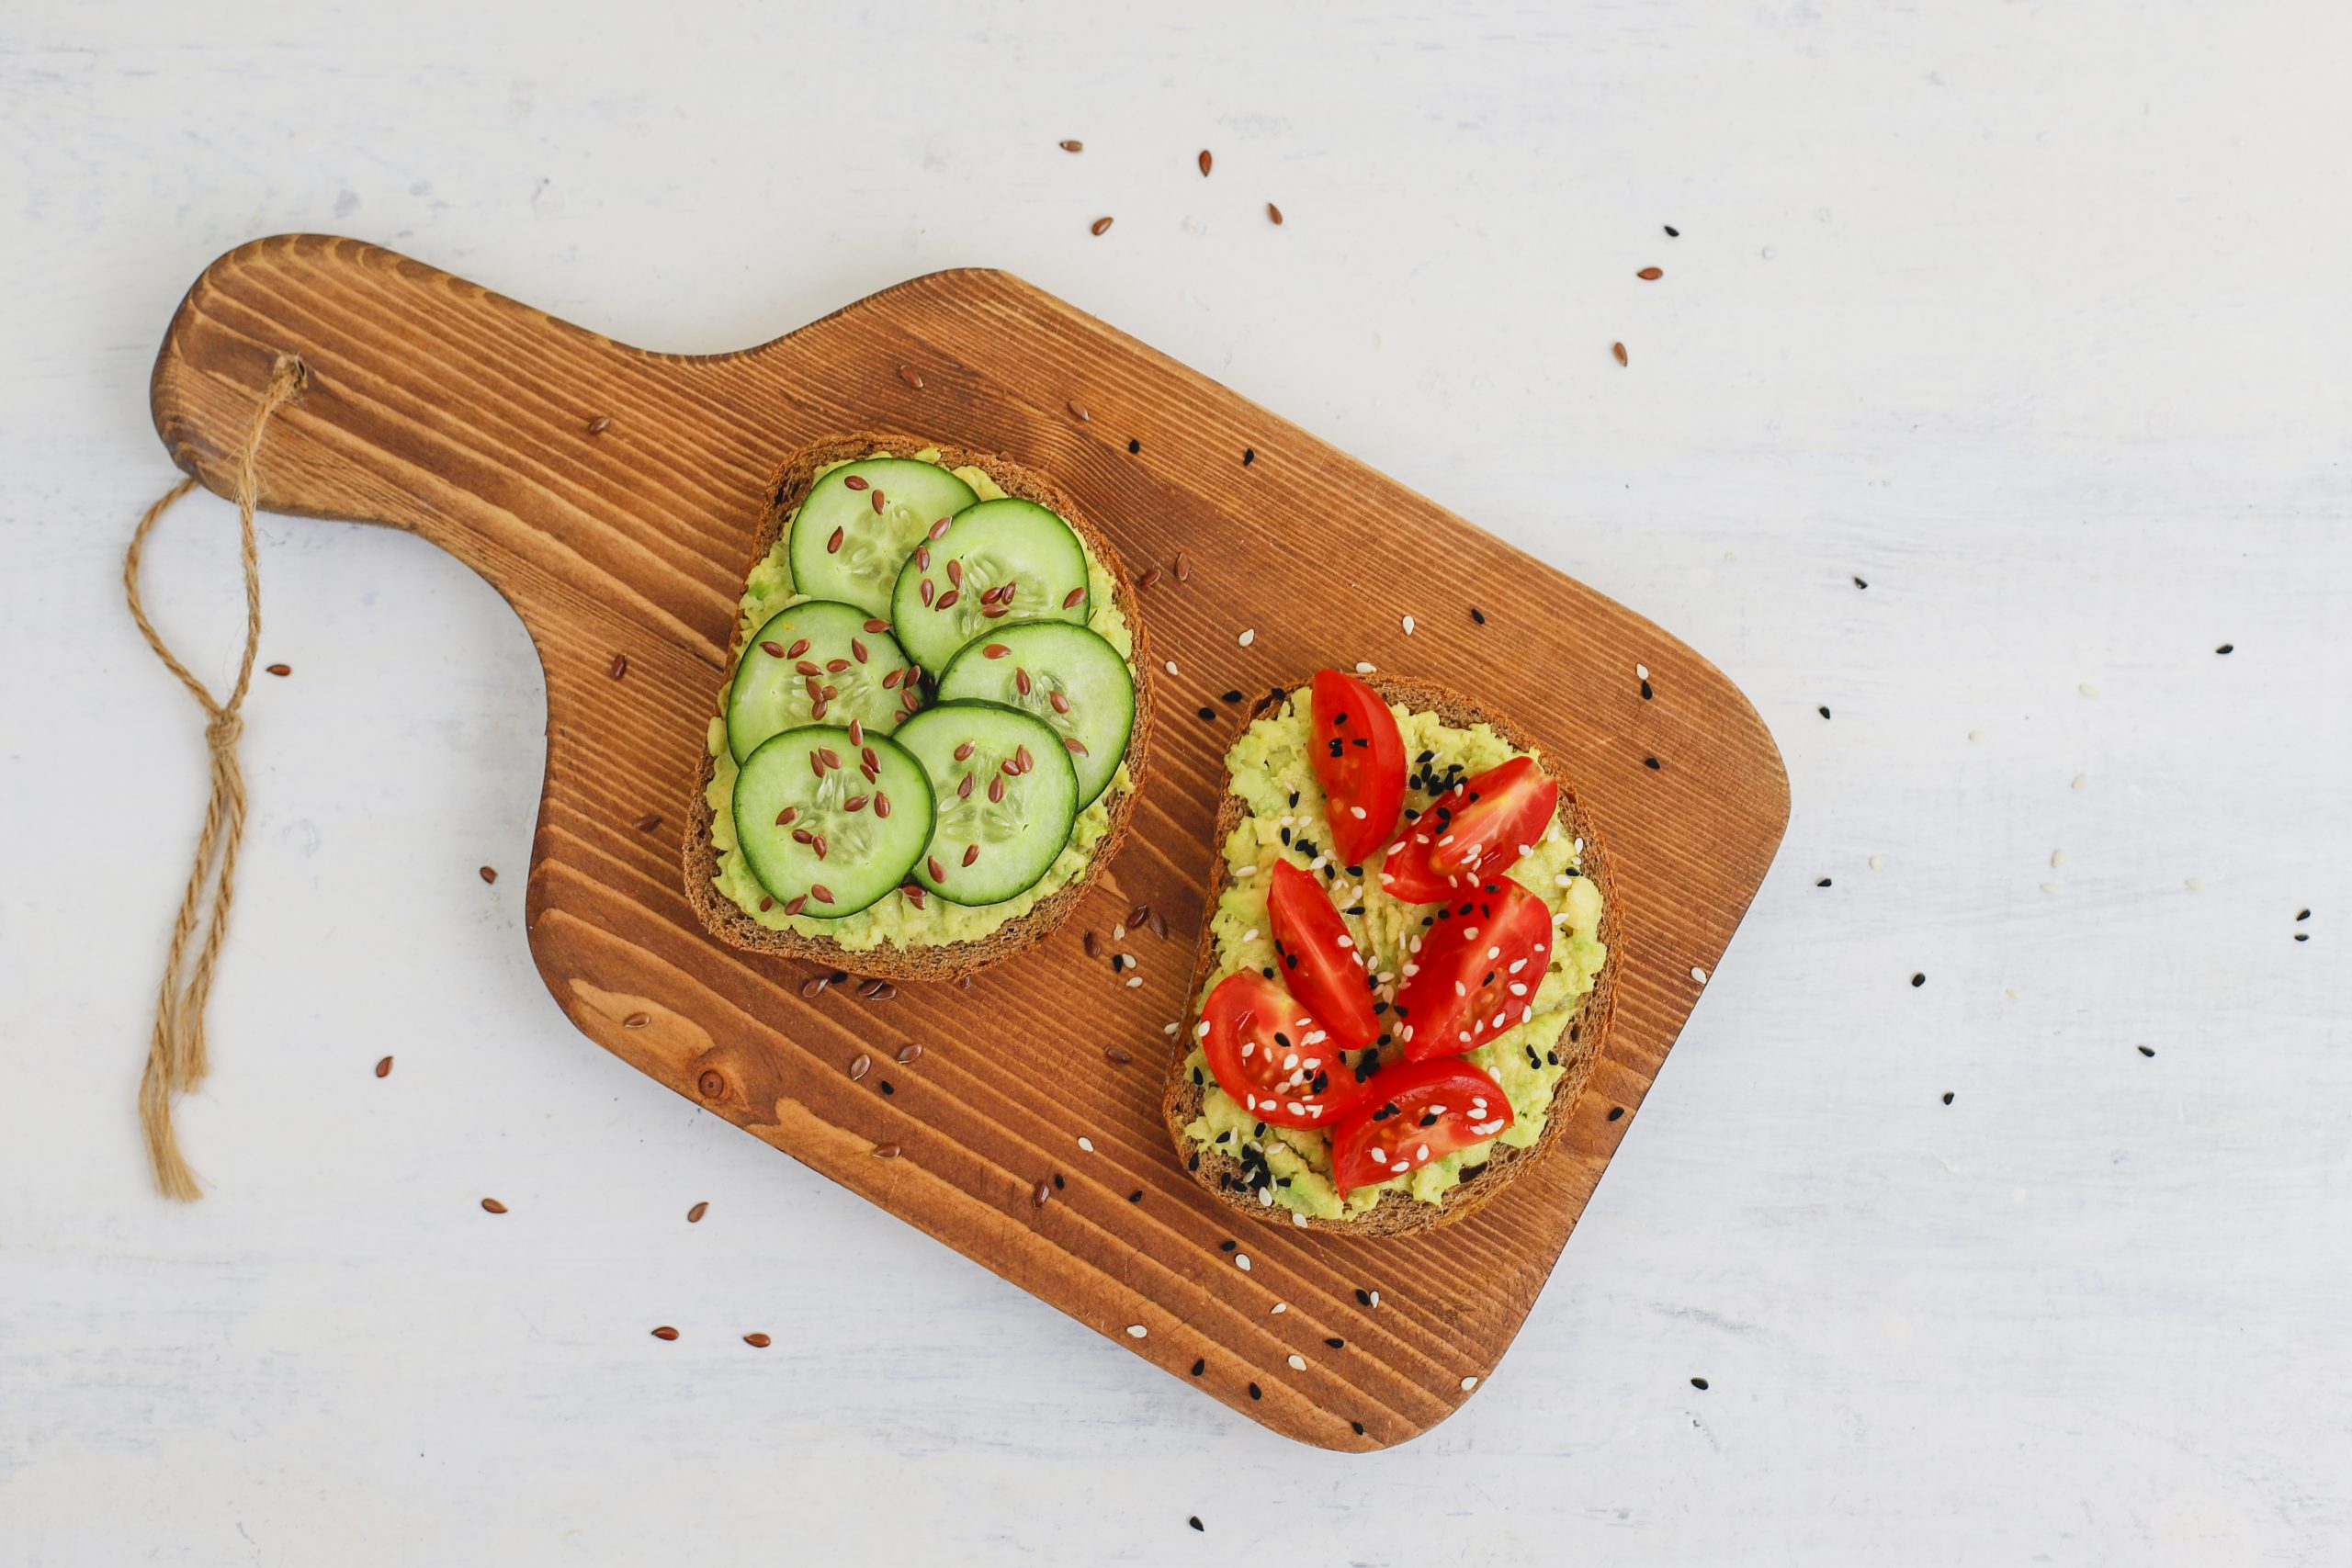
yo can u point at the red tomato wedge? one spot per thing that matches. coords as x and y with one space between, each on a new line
1319 961
1413 1114
1474 832
1477 972
1271 1054
1360 761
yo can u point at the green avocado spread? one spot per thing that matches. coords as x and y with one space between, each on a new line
894 918
1270 770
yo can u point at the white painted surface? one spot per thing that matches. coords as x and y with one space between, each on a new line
2033 316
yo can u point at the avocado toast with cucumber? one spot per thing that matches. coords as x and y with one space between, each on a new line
935 720
1404 975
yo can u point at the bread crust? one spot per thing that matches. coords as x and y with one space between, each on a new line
949 961
1399 1213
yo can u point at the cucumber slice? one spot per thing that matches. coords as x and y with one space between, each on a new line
828 824
955 586
1065 675
816 662
862 521
1007 797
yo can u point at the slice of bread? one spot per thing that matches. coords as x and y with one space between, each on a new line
948 961
1582 1035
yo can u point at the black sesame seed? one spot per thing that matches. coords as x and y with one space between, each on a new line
1359 1427
1651 763
2303 914
1478 614
1134 445
1860 584
1947 1097
1647 692
1200 1366
1336 1343
1363 1298
1257 1392
1823 883
1249 456
1615 1112
1699 1382
2302 936
2147 1050
1825 712
1235 697
1057 1180
1194 1163
1136 1196
887 1088
1195 1522
1918 980
1672 232
2227 647
1208 713
1225 1245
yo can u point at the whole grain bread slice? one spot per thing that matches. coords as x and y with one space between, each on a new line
729 924
1582 1034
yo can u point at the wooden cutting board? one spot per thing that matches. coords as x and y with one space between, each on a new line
438 407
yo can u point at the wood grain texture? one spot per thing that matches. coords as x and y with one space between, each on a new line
437 407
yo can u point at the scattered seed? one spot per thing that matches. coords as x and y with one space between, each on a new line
1134 446
1138 914
1041 1194
1183 573
601 424
1149 578
1205 162
637 1021
914 378
909 1053
281 668
1616 1112
1619 350
1231 697
860 1068
493 1206
650 820
665 1332
1947 1097
1195 1520
1116 1057
489 874
2147 1050
1246 637
619 666
1100 226
1159 924
2082 780
1918 980
1257 1392
1469 1383
2227 647
1408 624
1085 1144
1094 945
384 1068
1650 274
1672 232
815 986
758 1341
1478 614
1274 214
1698 974
1077 412
1699 1383
1298 1362
1073 146
1860 584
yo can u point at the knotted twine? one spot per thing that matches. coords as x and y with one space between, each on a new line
177 1061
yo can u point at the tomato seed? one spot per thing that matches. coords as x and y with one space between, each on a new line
1100 226
384 1068
493 1206
665 1332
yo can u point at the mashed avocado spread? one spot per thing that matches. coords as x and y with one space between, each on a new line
893 918
1271 771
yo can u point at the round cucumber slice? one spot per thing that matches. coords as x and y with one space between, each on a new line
829 820
998 562
1068 677
860 523
1007 797
816 662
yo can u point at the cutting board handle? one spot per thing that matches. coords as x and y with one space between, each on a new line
431 404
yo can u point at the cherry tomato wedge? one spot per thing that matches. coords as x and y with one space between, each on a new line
1268 1052
1474 832
1360 761
1413 1114
1319 961
1477 972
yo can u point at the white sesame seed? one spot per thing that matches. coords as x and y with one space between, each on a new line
1134 980
1201 1030
1086 1144
1877 864
1282 1306
1119 932
1408 626
2050 887
2087 688
2013 994
1247 871
1698 974
1248 636
2194 884
1241 1261
1976 735
1375 1298
2057 859
1170 1028
1469 1383
1172 667
1641 671
1250 935
2082 780
1265 1197
1365 667
1137 1331
1358 812
1298 1362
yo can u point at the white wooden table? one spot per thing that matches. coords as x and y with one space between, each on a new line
2034 317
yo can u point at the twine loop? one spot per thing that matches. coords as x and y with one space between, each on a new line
176 1057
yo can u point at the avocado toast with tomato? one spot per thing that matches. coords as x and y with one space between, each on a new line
935 720
1403 979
